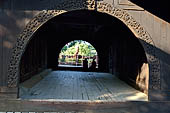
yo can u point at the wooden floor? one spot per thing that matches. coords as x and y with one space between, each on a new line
72 85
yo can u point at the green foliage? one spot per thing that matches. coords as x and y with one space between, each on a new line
64 49
80 47
85 48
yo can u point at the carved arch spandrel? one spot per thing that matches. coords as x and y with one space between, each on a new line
44 16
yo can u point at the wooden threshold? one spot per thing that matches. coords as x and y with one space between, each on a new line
53 105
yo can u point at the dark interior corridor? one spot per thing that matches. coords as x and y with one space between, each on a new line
120 52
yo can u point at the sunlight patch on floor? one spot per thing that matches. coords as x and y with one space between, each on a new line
72 85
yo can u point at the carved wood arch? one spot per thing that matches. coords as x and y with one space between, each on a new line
44 16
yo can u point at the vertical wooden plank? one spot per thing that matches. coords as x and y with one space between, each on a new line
4 45
163 40
115 2
1 53
135 14
9 31
168 38
147 21
164 57
156 32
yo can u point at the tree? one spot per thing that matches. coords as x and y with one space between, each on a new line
85 49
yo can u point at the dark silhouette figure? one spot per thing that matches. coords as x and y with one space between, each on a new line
93 65
85 64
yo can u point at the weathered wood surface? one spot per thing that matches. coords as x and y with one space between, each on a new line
8 93
1 58
153 26
43 112
74 85
83 106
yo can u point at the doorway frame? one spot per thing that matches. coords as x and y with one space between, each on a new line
67 6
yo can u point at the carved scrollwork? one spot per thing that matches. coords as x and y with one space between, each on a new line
44 16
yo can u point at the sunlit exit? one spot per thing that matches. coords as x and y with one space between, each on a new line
75 52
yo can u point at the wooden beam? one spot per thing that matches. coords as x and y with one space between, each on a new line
4 89
8 93
83 106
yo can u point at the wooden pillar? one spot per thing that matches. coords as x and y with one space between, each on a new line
31 56
45 54
118 58
124 59
114 58
36 57
42 54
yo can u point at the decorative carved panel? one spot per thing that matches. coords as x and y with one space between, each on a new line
71 5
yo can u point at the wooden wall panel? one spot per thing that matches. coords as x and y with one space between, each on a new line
7 44
165 57
6 55
1 54
147 21
11 24
3 30
5 4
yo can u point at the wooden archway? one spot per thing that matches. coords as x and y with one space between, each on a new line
44 16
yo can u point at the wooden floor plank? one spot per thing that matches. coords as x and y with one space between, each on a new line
74 85
83 88
89 87
96 89
103 91
79 93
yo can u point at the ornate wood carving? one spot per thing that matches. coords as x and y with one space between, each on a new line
44 16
